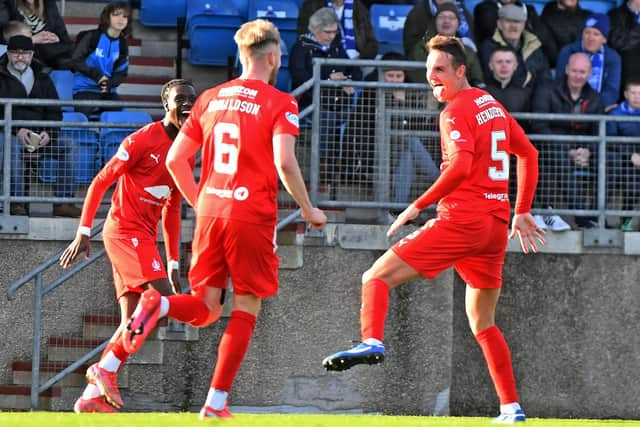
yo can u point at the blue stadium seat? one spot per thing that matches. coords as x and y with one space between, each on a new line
539 4
211 25
162 13
85 141
283 14
110 138
47 169
388 21
63 81
597 6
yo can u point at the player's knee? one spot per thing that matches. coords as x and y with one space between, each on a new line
211 316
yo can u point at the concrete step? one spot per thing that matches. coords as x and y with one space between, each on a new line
103 326
69 349
18 397
152 67
22 374
144 86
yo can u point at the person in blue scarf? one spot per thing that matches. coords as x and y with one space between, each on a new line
606 64
623 169
101 57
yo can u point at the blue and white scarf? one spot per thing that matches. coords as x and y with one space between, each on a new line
626 108
597 69
464 31
347 31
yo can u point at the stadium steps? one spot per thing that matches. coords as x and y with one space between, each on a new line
62 351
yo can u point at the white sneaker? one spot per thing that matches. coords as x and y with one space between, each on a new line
555 223
540 222
516 417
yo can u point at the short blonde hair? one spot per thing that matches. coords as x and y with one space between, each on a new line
254 37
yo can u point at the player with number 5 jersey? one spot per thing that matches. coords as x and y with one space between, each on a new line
471 229
246 131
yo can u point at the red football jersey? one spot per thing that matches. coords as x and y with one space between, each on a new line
144 185
475 122
235 122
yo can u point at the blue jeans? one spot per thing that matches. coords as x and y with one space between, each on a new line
17 180
412 158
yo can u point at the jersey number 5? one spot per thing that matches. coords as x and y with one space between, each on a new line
501 173
225 158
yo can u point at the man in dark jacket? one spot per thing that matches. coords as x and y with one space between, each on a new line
511 32
22 77
625 38
485 16
514 95
564 19
568 168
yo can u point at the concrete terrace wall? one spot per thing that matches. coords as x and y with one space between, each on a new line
571 321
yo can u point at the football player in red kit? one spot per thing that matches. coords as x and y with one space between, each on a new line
144 195
471 229
246 131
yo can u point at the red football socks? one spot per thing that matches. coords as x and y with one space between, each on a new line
496 353
233 346
375 304
188 309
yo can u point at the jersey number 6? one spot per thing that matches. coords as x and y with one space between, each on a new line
225 159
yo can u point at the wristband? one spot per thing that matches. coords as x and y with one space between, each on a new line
85 231
173 265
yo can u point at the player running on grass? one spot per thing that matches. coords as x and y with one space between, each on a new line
246 130
470 231
145 193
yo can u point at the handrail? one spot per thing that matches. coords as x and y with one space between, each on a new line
39 293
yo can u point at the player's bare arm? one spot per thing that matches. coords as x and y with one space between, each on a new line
451 177
179 166
291 177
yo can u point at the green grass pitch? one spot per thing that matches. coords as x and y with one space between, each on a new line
66 419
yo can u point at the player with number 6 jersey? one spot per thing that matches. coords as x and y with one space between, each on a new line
246 131
470 231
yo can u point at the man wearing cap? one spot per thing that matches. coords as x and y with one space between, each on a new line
22 77
606 64
485 16
447 22
510 32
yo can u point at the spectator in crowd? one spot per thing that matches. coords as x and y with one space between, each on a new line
53 46
421 19
510 32
605 62
568 168
97 76
13 28
355 32
408 154
624 167
321 42
447 22
625 37
564 19
514 95
485 17
21 76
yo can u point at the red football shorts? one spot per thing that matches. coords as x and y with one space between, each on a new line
476 249
247 252
134 263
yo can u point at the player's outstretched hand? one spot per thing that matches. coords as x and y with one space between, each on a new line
410 213
524 226
79 245
315 218
174 279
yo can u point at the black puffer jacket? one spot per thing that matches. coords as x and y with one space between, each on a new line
625 38
565 25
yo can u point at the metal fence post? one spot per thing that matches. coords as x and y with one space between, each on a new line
35 362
